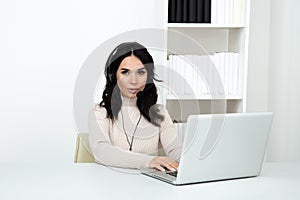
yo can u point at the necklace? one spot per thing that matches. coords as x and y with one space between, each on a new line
130 143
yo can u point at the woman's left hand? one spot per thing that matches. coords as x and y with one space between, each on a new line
162 162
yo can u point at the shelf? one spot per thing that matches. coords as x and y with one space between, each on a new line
204 25
204 97
218 39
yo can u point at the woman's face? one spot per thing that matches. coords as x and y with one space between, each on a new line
131 76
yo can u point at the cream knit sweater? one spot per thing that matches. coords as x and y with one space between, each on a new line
109 144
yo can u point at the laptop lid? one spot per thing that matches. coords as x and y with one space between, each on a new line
223 146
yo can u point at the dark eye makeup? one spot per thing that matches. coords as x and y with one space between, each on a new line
141 71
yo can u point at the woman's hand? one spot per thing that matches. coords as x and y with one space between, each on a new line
162 162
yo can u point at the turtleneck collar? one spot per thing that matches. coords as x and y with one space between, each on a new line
128 102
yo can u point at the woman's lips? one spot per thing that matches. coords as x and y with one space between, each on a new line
133 90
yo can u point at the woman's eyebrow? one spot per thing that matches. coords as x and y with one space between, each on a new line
142 68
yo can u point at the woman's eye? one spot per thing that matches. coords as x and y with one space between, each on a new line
125 72
141 72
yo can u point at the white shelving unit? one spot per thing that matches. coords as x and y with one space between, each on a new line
204 25
185 39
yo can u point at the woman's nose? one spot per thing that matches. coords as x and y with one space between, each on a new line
133 78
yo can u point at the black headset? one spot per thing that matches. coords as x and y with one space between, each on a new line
140 94
108 71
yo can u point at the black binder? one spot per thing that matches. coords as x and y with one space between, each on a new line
172 11
207 11
185 11
200 11
179 11
193 11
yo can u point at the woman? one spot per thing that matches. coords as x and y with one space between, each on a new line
127 126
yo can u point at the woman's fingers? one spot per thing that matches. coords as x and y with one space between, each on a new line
164 163
160 168
170 166
175 165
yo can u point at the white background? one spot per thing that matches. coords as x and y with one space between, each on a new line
42 47
274 73
44 43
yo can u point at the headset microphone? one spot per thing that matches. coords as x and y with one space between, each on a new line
140 94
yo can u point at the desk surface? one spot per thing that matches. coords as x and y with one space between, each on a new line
84 181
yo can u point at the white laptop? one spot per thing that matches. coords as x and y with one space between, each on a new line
220 147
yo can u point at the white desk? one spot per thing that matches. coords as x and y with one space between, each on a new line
93 181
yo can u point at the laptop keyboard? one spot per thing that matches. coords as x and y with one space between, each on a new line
172 173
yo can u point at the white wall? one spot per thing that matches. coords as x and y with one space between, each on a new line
258 62
43 45
274 73
284 95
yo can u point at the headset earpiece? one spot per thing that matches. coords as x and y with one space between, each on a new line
108 66
110 76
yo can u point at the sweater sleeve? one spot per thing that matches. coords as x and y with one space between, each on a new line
169 139
104 152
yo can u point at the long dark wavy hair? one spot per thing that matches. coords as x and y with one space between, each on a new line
146 100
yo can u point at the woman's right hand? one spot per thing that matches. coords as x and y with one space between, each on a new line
162 162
